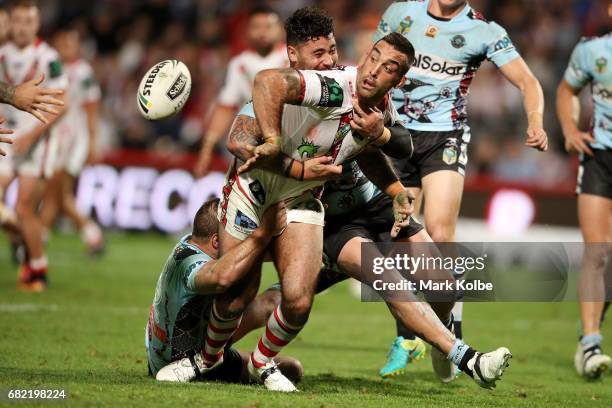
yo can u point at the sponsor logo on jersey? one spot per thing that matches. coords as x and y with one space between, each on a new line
431 31
503 44
243 222
601 65
458 41
258 192
405 25
331 92
307 149
383 26
449 155
177 87
151 78
602 92
438 65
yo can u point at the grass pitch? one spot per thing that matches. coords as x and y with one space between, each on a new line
86 335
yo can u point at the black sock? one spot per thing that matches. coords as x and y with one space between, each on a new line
469 354
458 330
403 331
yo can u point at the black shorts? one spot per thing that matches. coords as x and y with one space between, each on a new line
230 370
373 222
595 174
433 151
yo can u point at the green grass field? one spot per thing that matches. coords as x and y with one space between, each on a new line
85 334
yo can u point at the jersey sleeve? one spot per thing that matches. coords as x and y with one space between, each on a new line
247 110
577 74
232 93
389 22
499 47
52 66
89 86
324 89
191 267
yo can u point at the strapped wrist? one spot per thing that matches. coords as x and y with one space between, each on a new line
383 138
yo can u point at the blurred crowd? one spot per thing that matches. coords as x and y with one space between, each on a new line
123 38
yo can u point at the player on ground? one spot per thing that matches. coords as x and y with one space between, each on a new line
451 41
315 131
590 65
192 276
264 34
77 131
33 154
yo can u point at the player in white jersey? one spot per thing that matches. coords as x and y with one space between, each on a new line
264 34
77 132
33 154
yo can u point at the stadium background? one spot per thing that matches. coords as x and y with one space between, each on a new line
122 39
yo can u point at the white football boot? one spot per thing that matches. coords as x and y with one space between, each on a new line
591 363
487 368
271 377
186 369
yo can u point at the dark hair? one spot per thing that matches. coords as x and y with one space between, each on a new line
23 3
401 44
308 23
205 222
262 9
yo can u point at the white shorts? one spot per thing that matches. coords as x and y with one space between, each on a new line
39 161
73 149
240 215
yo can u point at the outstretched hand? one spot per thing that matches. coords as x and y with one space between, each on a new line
32 98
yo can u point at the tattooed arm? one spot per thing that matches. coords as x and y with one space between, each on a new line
30 97
244 138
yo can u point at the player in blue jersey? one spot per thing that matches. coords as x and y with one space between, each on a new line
186 288
451 41
591 64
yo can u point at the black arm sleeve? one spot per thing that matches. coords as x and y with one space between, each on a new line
400 145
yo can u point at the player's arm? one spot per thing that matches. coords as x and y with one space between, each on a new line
568 110
92 110
218 275
30 97
244 138
220 121
379 170
272 90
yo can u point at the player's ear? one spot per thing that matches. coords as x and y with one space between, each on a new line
401 82
292 54
214 241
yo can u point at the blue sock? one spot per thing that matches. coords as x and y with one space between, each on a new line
591 339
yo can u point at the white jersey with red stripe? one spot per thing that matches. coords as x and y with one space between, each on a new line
73 127
318 127
241 73
18 65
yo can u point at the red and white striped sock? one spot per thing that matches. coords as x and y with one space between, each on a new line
278 334
218 332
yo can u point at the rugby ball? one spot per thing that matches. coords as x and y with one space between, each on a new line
164 89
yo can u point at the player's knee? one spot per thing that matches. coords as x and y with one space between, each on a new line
442 233
297 309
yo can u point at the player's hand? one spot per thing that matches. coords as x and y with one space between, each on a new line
537 138
262 156
274 220
370 124
321 168
30 97
403 206
578 142
5 139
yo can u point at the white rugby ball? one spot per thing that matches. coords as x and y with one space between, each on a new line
164 89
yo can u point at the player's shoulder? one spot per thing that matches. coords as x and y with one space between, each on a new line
595 42
408 5
186 252
46 50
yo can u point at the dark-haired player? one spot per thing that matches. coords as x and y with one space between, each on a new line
264 34
451 40
590 65
192 276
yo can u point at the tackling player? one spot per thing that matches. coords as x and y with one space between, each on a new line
590 65
264 34
34 150
192 276
451 41
77 131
